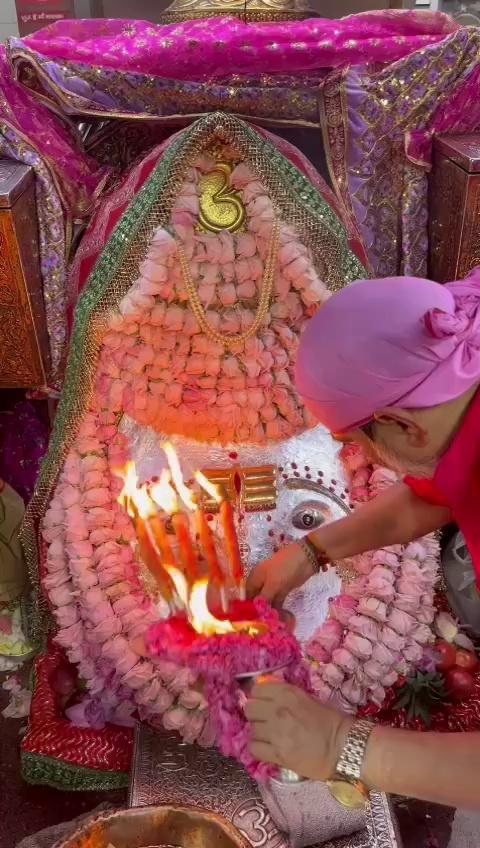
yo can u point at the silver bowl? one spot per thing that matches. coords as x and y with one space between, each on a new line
156 827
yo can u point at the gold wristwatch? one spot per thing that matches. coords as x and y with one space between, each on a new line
346 785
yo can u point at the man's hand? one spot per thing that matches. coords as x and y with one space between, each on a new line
293 730
276 577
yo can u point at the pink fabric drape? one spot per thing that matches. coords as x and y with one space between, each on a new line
206 48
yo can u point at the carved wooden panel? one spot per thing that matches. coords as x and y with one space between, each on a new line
455 209
23 346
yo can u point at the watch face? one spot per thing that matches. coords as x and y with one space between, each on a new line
349 795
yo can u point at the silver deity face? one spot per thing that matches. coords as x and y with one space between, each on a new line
309 490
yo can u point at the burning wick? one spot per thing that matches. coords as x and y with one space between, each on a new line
180 522
141 509
184 589
229 531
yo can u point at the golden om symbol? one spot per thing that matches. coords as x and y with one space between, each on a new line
221 207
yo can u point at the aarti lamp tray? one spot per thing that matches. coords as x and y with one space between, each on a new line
168 771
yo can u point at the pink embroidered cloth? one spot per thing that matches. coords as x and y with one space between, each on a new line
205 48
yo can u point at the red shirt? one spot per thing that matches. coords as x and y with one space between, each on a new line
456 482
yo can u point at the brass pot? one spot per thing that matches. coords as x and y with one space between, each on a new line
156 827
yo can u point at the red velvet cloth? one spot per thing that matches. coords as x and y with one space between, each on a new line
456 482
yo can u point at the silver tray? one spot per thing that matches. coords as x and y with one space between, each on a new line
168 771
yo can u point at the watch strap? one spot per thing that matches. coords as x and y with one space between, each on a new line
352 756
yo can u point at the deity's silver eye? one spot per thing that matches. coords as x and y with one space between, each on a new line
309 515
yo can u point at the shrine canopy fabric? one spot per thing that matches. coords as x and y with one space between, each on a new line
148 70
207 47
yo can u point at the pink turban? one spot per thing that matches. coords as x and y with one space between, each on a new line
400 341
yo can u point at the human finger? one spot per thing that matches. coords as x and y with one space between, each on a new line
268 690
257 710
255 582
264 752
273 594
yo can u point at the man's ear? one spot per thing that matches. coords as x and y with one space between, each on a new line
405 420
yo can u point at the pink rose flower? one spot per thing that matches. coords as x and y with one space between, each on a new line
66 616
377 694
364 626
56 579
373 607
342 608
191 699
422 634
392 640
380 588
333 675
100 612
138 676
358 645
92 597
357 588
329 635
148 692
345 660
374 670
88 713
163 701
413 652
426 613
175 718
86 580
401 622
61 596
386 558
193 726
101 535
123 714
409 586
106 629
54 517
70 637
53 532
363 563
390 678
69 496
352 691
408 603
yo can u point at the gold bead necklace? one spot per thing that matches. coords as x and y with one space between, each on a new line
230 340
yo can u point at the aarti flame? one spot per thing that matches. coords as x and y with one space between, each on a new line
133 495
210 488
164 494
185 493
196 605
141 503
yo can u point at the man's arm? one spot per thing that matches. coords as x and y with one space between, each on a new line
396 516
294 730
439 767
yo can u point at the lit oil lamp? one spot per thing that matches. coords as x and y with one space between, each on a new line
226 649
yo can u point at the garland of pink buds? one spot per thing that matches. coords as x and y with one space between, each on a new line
379 626
156 366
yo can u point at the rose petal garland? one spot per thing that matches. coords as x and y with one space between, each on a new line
218 660
379 626
158 367
163 372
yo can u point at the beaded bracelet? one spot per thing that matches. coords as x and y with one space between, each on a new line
317 557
